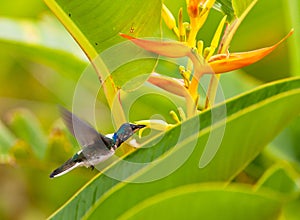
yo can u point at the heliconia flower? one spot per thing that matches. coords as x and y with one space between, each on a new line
219 63
193 7
176 87
198 11
172 49
224 63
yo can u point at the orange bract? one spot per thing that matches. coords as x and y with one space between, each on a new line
224 63
220 63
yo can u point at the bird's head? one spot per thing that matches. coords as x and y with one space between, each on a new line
126 131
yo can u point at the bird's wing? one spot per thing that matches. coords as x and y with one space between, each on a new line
84 133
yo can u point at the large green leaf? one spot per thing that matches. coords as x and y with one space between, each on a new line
207 201
253 120
96 25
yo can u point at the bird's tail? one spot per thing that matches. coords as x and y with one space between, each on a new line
65 168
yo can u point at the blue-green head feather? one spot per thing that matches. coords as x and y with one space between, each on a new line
125 131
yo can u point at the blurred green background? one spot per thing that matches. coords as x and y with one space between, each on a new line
35 77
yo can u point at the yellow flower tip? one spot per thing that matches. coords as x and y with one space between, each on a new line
200 48
141 131
181 114
181 28
187 27
206 52
168 17
174 116
217 35
156 124
181 69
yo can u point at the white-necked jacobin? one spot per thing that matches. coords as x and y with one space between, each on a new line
95 146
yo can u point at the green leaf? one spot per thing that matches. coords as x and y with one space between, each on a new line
291 210
232 8
27 127
240 6
251 114
232 28
268 16
96 25
226 7
280 179
207 201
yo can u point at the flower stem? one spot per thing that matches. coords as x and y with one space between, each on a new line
212 91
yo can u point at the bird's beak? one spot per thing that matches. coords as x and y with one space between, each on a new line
137 127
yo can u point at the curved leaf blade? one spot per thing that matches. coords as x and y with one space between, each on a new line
95 25
207 201
235 153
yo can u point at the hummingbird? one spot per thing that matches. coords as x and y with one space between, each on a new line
95 146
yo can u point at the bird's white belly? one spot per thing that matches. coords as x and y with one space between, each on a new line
92 161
